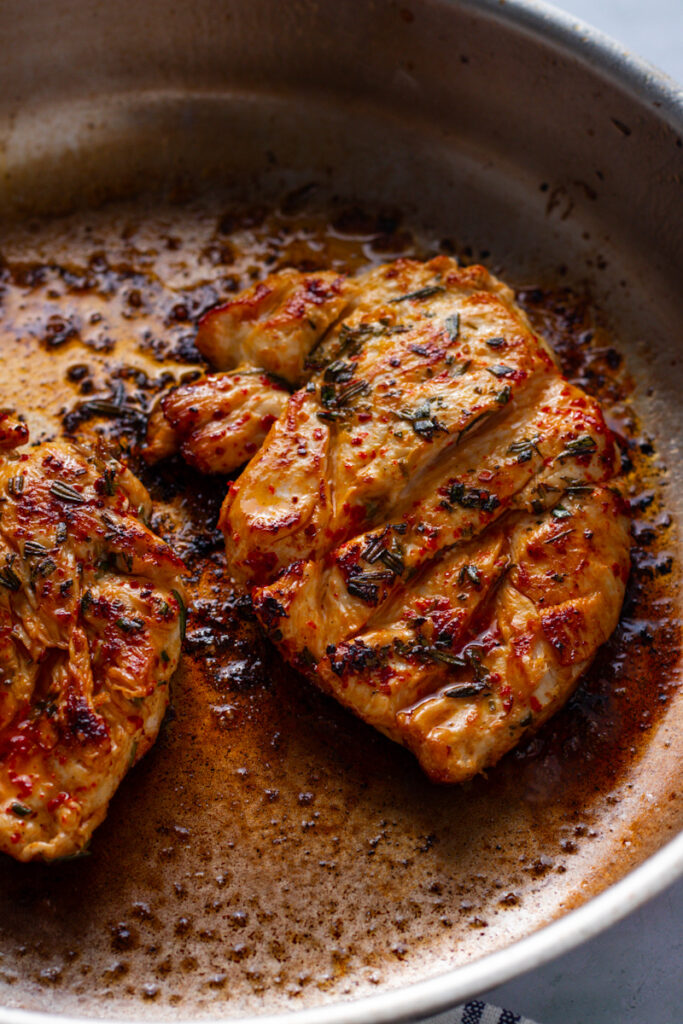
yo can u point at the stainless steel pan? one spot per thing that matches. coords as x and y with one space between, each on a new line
361 892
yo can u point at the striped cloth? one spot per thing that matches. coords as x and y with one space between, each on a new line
482 1013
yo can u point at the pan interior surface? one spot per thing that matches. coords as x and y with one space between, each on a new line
271 853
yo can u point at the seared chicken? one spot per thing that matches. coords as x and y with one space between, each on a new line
91 613
217 422
275 323
427 527
220 421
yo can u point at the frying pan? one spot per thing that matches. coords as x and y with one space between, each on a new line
300 863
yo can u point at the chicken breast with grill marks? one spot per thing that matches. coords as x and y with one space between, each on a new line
429 529
91 612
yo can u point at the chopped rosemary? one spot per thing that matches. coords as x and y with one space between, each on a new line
65 492
374 547
129 625
8 577
463 690
21 810
357 387
109 485
559 536
183 613
374 576
15 484
44 568
33 548
393 560
577 486
470 657
471 573
460 369
560 512
423 422
504 396
524 449
352 339
452 325
584 445
421 293
334 399
391 557
103 407
339 372
472 497
365 585
500 370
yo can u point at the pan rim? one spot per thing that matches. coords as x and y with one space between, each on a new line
417 1000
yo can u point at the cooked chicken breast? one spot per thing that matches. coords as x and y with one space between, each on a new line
275 323
264 335
427 525
217 422
91 612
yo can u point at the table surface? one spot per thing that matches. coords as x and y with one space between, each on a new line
633 973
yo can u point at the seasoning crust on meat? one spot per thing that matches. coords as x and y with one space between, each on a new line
91 611
429 528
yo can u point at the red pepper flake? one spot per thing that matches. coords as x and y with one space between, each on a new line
57 801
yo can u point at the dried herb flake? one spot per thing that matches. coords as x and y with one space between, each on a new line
65 492
584 445
421 293
452 325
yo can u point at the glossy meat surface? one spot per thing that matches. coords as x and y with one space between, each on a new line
275 323
263 337
90 633
428 527
217 422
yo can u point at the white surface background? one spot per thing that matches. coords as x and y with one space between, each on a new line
633 973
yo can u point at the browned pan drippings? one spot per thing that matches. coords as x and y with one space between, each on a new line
270 842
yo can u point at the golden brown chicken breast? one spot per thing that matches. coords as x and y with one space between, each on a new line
91 613
428 524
